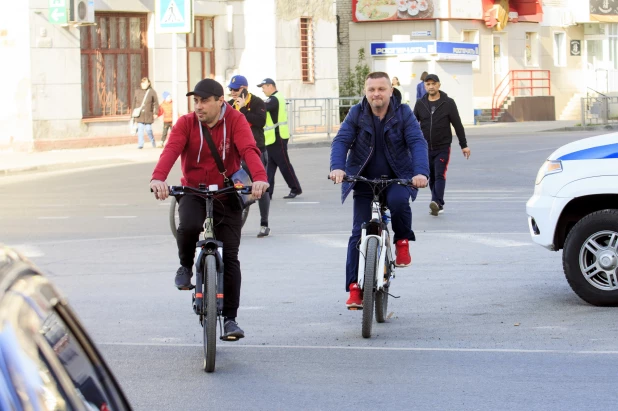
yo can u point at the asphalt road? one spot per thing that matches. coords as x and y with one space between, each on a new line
486 320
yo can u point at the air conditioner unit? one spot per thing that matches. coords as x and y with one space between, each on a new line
82 11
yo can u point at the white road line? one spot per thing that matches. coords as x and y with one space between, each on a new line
400 349
89 240
165 204
113 205
28 250
54 217
327 240
52 205
303 202
489 241
120 216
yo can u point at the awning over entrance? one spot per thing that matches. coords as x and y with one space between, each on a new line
497 13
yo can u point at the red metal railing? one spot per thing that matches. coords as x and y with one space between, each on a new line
521 83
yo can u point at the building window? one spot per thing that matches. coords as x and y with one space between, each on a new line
306 49
114 58
472 36
531 58
560 49
612 34
200 53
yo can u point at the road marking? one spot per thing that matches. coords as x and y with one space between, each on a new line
484 240
54 218
326 241
120 216
113 205
399 349
28 250
303 202
88 240
165 204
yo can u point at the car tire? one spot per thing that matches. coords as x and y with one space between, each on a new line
600 289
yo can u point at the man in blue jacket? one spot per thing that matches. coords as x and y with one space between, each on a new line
380 136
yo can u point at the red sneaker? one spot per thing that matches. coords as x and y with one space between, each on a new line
356 297
402 251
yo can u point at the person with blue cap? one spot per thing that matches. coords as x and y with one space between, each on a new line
255 112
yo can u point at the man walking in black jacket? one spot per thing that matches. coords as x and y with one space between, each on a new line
436 112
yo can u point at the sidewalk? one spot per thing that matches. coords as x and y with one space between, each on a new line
12 163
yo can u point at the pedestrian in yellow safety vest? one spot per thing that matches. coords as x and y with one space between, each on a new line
276 137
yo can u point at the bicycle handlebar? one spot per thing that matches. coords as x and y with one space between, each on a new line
183 190
378 181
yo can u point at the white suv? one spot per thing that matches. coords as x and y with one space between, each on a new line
575 208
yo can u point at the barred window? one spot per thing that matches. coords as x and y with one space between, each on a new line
306 49
114 58
200 53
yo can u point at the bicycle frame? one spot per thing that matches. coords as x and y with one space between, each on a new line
375 228
209 246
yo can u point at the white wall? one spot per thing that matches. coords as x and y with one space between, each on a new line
15 82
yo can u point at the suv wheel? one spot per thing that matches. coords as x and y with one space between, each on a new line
590 258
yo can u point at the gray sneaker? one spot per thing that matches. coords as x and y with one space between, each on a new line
264 232
434 208
231 331
183 278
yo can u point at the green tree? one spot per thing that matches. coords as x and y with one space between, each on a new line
353 85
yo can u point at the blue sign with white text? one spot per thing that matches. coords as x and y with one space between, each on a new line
471 49
397 49
424 47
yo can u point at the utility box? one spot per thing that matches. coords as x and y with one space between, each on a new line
81 11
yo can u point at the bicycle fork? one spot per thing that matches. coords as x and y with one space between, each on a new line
383 239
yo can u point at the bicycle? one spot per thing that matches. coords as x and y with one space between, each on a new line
376 266
207 299
175 220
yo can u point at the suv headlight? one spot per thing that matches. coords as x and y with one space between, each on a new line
548 167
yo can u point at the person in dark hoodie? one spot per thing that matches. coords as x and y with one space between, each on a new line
436 111
379 137
231 134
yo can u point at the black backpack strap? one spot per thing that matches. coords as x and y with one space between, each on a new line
214 152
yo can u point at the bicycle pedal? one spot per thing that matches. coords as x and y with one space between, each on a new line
228 338
355 308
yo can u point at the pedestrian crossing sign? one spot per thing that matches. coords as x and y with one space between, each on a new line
174 16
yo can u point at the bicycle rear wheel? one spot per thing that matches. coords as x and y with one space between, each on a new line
210 317
245 214
371 262
173 216
382 296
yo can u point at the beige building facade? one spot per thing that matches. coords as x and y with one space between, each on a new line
565 46
71 85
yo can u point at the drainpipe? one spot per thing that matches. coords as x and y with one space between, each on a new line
438 29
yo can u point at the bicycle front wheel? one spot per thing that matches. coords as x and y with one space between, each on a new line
371 263
173 216
210 317
382 296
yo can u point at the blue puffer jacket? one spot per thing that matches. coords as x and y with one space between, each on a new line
406 148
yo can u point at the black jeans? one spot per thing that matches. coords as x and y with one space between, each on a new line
278 158
228 224
438 164
264 201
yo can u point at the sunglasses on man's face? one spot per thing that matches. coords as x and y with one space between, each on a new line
234 89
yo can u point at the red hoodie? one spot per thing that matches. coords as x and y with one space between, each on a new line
197 164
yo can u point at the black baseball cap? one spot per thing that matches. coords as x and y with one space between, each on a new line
267 81
206 88
432 77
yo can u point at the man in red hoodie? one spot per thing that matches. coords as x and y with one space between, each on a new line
232 136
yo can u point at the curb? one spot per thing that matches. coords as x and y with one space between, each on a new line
61 166
587 128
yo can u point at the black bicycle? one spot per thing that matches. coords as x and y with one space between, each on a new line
175 220
376 261
207 299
